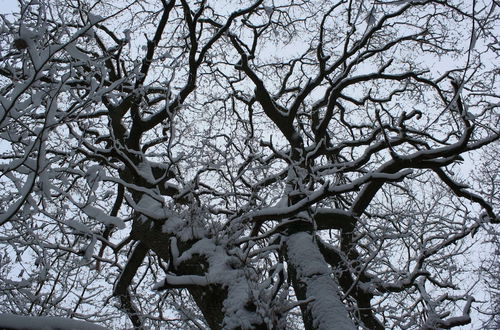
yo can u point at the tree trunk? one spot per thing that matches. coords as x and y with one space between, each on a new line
312 282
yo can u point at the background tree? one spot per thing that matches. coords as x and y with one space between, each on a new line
258 164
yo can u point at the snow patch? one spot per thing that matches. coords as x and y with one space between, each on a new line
10 321
102 217
325 307
152 208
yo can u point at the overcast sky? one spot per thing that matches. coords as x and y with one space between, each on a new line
8 6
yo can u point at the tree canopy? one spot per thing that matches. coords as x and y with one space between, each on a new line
304 164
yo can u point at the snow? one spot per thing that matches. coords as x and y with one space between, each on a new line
93 177
74 52
78 226
89 251
182 229
152 208
10 321
202 247
182 280
174 251
223 270
236 315
23 192
300 248
99 215
326 306
144 169
95 19
268 10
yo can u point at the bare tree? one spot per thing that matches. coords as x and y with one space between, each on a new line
247 164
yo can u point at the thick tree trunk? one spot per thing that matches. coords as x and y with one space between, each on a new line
216 301
312 282
209 299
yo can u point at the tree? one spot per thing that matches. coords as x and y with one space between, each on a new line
247 164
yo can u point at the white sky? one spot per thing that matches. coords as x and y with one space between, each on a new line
8 6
